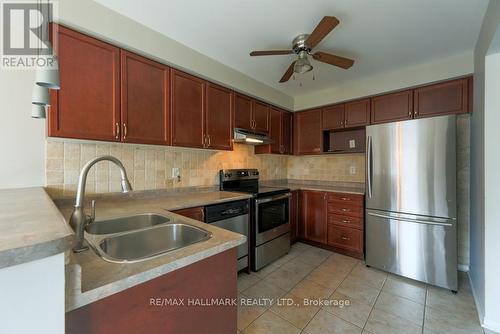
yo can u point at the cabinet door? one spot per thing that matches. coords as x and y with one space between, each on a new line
441 99
286 132
196 213
357 113
392 107
294 219
275 130
219 117
187 109
260 113
333 117
145 100
88 104
242 112
308 136
313 205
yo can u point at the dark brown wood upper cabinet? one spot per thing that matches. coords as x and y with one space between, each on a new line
275 130
307 130
280 131
333 117
286 132
243 112
145 97
313 215
451 97
88 104
260 115
219 117
357 113
392 107
187 109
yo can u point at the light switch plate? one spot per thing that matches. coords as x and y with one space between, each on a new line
352 143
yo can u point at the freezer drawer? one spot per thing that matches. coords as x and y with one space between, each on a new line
418 247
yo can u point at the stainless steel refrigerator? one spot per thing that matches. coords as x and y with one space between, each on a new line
411 210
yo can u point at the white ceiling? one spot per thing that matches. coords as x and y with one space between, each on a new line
381 35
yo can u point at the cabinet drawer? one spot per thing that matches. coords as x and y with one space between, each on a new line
347 221
346 198
345 238
345 209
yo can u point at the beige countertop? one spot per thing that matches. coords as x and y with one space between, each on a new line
31 227
341 187
90 278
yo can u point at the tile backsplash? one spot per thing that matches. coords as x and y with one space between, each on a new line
333 167
148 167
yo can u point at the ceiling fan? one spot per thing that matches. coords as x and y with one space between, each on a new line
302 46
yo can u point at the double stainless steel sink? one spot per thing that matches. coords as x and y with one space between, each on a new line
140 237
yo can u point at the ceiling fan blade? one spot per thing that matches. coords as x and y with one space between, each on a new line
324 27
288 73
334 60
271 52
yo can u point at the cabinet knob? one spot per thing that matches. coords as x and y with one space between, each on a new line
345 238
345 210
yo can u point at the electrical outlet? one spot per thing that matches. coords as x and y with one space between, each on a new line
352 143
176 173
352 170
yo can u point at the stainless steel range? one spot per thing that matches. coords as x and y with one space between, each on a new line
270 212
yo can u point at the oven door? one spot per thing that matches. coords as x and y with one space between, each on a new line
271 217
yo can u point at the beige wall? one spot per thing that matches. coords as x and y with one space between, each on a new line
436 70
97 20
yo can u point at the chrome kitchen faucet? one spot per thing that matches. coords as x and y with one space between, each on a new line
79 219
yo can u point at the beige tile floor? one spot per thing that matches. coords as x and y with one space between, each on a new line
378 302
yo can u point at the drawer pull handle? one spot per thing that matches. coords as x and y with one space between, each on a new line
345 238
344 198
346 221
345 210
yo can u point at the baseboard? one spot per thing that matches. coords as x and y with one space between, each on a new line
463 267
476 301
491 326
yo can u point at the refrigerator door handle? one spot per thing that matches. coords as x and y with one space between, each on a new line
369 166
426 222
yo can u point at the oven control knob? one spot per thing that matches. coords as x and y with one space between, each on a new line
228 175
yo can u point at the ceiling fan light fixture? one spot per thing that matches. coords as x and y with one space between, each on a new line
302 65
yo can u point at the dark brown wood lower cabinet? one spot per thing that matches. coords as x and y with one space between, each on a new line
139 309
313 215
196 213
294 218
332 220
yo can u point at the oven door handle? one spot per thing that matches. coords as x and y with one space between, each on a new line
273 198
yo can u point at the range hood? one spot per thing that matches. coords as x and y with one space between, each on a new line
243 136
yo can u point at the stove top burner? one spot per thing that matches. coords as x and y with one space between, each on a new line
247 181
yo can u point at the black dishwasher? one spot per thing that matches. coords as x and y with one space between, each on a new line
232 216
